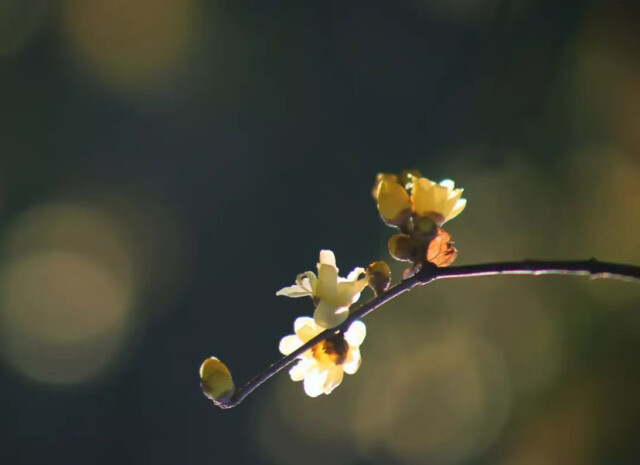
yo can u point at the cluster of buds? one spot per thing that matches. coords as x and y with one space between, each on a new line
418 207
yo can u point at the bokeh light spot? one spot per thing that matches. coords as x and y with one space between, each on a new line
63 316
444 400
66 293
131 44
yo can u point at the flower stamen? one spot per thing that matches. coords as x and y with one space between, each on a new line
334 350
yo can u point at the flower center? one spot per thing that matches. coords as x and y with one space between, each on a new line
332 350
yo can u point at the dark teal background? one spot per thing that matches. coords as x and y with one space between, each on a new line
265 149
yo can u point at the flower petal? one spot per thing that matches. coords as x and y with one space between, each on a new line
307 280
356 333
448 184
333 380
314 382
306 328
450 203
294 291
456 193
392 199
424 196
441 194
300 369
353 275
327 279
379 178
351 365
349 292
458 207
289 343
327 257
328 315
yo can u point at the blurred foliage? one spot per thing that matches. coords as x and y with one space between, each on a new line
166 165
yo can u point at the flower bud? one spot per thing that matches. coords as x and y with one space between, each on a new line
379 276
215 380
403 248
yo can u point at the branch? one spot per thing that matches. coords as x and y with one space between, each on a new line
592 267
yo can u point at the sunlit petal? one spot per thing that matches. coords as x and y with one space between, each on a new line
450 203
349 292
333 379
329 315
307 280
294 291
327 257
289 344
456 193
392 199
314 382
353 275
306 328
327 281
459 206
424 196
353 361
300 369
356 333
448 184
441 196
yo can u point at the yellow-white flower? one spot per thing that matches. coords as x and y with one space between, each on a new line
332 294
323 366
440 202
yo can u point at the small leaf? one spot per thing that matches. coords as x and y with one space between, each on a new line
441 251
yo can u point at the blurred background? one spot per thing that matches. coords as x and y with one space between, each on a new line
167 165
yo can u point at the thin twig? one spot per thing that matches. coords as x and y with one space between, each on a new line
592 268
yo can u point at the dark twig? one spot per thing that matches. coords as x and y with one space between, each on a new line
429 273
